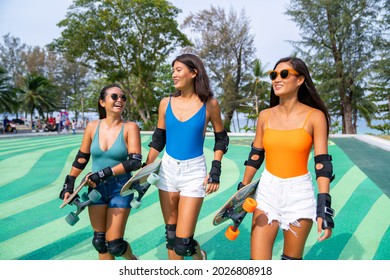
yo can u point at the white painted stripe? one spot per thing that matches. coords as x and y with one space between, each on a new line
340 195
367 237
23 163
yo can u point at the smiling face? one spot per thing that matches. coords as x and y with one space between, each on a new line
114 100
288 85
182 76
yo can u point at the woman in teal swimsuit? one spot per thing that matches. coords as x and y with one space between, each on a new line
115 146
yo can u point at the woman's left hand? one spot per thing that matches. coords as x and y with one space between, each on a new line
210 187
323 234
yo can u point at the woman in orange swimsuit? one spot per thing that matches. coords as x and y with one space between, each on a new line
296 121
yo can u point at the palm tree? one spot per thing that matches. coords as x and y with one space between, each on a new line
260 88
258 95
7 93
38 95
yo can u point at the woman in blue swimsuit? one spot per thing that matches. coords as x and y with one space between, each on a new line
184 182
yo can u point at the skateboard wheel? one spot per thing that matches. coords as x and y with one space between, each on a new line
249 205
72 219
135 203
232 234
94 195
153 178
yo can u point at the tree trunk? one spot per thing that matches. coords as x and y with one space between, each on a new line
228 120
348 118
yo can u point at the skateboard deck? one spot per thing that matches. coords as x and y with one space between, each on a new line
80 203
141 181
236 208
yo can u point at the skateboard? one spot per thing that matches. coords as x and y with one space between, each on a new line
140 182
80 203
236 208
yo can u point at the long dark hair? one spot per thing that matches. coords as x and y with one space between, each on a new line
307 92
201 81
102 96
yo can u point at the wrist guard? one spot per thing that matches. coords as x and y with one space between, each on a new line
99 176
68 186
215 171
324 210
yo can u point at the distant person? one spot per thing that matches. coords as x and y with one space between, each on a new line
74 123
67 124
38 123
115 146
6 121
58 123
296 121
184 182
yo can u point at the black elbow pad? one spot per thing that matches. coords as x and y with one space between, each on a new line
327 168
252 158
221 141
159 139
133 163
80 155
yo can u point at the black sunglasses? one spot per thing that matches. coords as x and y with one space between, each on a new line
115 96
283 73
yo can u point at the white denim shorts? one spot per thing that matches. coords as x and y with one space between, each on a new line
183 176
286 200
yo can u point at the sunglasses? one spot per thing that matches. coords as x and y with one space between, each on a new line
115 96
273 74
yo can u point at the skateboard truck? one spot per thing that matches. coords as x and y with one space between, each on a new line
73 217
248 207
141 189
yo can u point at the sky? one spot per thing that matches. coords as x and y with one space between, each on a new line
35 22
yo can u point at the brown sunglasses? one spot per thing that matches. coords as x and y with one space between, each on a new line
273 74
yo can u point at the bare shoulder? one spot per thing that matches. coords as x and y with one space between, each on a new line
318 115
91 126
264 115
131 126
93 123
212 103
164 101
212 107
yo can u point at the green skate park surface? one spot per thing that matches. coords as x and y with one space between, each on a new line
33 227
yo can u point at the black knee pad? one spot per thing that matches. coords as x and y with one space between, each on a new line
170 235
117 247
99 242
185 246
285 257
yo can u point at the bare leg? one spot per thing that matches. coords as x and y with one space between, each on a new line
263 236
189 208
295 244
116 224
98 216
169 202
182 211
